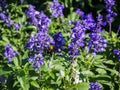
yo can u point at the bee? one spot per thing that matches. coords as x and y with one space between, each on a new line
51 47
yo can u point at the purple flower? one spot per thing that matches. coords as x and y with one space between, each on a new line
118 28
117 52
37 43
59 41
37 60
41 40
73 50
94 86
57 9
111 14
38 19
9 53
77 38
97 43
6 19
16 26
98 25
81 13
89 22
2 79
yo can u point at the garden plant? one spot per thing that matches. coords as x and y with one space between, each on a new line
59 45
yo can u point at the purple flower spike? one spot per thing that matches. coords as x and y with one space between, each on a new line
94 86
16 26
81 13
77 38
59 41
117 52
37 60
6 19
9 53
38 19
111 14
97 43
57 9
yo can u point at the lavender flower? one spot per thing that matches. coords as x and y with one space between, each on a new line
41 40
97 43
38 19
81 13
37 60
16 26
37 43
98 25
2 79
73 50
89 22
6 19
111 14
9 53
77 38
94 86
59 41
57 9
117 52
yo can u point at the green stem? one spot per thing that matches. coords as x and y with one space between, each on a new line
110 27
119 72
91 62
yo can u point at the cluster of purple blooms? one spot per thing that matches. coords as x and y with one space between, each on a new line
94 86
38 19
59 42
5 17
96 43
87 20
111 14
9 52
77 38
117 52
37 43
57 9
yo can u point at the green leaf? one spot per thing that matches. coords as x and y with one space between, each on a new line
87 73
35 84
83 86
101 71
103 78
109 62
5 39
34 77
23 82
16 62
